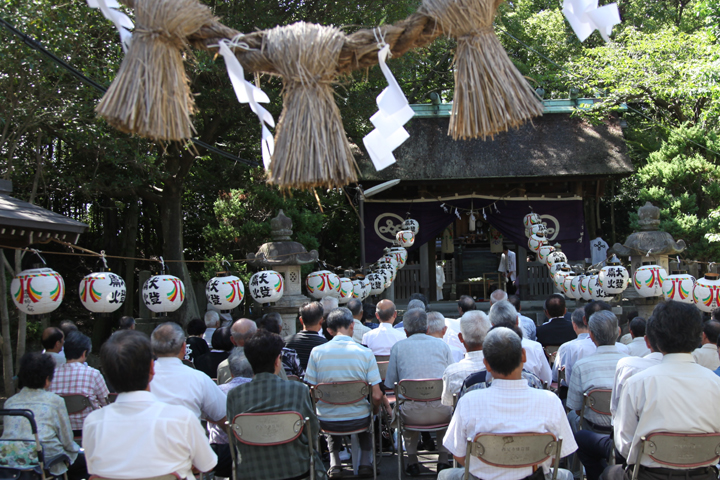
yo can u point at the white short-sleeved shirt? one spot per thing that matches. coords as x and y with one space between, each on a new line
507 406
381 340
456 373
570 352
638 348
626 368
138 437
707 356
536 361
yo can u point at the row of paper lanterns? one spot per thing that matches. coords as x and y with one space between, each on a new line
41 290
613 278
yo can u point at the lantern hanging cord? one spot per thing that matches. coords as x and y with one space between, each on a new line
37 252
104 260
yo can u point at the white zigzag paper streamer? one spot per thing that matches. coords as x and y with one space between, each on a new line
394 112
122 22
584 17
246 92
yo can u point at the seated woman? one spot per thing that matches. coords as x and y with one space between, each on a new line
51 416
221 347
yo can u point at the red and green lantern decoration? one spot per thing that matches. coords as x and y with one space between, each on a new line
225 292
102 292
648 280
163 293
679 287
322 283
706 293
346 290
37 291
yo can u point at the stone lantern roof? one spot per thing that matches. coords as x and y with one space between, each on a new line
282 250
649 238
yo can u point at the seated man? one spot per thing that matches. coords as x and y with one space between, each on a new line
677 396
52 341
536 363
527 324
417 357
437 328
595 371
212 322
474 325
637 347
707 354
138 436
382 339
75 378
570 352
414 303
507 406
177 384
355 307
272 322
557 330
240 331
344 360
311 315
268 393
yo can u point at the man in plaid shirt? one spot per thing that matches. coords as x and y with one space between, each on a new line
76 378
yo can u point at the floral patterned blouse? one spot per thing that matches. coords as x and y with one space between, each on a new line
52 420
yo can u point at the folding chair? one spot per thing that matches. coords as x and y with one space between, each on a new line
597 400
679 450
382 358
76 404
268 429
346 393
24 459
294 378
516 450
382 368
426 390
170 476
551 352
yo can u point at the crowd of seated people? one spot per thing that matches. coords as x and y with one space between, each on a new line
175 399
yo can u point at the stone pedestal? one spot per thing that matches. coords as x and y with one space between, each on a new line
292 298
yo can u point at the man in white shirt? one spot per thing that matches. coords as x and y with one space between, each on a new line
675 396
509 405
707 354
177 384
536 361
527 324
595 371
381 340
355 307
598 249
436 328
638 346
212 322
139 436
570 352
474 325
508 267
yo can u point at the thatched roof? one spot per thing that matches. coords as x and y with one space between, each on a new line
554 145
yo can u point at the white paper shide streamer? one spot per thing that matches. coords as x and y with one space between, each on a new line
122 22
394 112
584 17
246 92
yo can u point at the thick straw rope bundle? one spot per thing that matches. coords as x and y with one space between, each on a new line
311 148
150 95
490 94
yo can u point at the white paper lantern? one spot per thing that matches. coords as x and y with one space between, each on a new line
366 286
102 292
346 290
267 286
531 219
597 293
400 255
389 261
585 288
556 267
543 252
411 225
538 228
706 293
555 257
536 241
388 276
576 286
377 283
163 293
613 277
570 293
406 238
37 291
559 278
322 284
358 290
679 287
225 293
648 280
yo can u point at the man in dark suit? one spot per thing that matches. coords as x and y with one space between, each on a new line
558 329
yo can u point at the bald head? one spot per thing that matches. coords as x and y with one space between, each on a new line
498 296
241 331
385 311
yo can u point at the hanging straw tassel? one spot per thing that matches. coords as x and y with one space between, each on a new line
150 95
311 149
490 94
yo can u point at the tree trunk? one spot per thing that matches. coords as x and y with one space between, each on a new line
5 341
22 317
130 244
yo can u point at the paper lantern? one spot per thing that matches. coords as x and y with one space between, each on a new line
538 228
37 291
576 286
613 277
543 252
267 286
102 292
389 261
536 241
406 238
411 225
585 288
225 293
531 219
346 290
322 284
648 280
163 293
567 287
388 276
358 290
706 293
377 283
679 288
366 286
400 256
559 278
597 293
555 257
556 267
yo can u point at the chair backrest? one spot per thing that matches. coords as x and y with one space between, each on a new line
517 450
382 368
112 397
382 358
598 400
169 476
266 429
188 363
76 403
561 375
425 390
294 378
682 450
341 393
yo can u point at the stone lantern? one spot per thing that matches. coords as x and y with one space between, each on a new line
649 246
285 257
